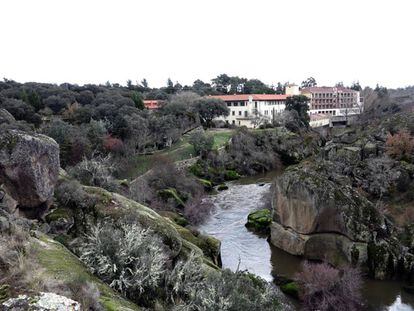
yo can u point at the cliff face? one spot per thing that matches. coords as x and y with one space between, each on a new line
314 217
323 208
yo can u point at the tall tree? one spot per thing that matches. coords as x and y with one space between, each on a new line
221 83
144 83
309 82
299 103
356 86
210 108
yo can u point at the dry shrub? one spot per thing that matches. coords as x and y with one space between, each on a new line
400 146
324 288
197 210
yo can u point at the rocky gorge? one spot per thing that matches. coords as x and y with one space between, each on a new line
328 207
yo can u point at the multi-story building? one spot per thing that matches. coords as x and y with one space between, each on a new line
334 101
251 110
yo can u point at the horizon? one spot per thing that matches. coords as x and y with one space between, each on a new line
99 41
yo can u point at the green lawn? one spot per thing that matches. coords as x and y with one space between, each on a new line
179 151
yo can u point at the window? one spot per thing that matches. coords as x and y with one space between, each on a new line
228 104
240 113
233 122
242 104
235 104
266 112
245 113
233 113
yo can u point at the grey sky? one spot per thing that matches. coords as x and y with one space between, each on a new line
96 41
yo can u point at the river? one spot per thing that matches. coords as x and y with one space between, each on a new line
242 249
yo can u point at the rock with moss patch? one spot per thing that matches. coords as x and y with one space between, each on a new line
259 220
29 167
291 289
222 187
208 185
179 219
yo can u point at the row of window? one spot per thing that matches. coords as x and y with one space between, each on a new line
326 95
330 100
236 104
233 113
242 104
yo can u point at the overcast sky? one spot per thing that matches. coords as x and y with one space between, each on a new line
85 41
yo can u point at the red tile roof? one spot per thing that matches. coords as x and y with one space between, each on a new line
151 104
255 97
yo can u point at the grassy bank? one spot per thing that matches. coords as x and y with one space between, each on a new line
179 151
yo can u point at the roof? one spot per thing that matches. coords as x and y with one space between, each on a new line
256 97
327 89
152 104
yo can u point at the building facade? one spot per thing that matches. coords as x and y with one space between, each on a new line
252 110
334 101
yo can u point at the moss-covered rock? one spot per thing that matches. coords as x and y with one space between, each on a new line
210 246
222 187
291 289
259 220
179 219
208 185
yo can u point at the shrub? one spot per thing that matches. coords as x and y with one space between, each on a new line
323 287
400 146
132 260
112 144
71 195
202 143
191 289
95 172
197 210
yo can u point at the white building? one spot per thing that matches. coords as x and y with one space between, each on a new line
251 110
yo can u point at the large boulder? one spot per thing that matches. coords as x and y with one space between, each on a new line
308 202
6 117
319 218
29 167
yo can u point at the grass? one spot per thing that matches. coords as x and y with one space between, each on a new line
181 150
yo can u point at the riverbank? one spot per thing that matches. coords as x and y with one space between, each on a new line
243 249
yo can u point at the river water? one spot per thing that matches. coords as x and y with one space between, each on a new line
244 250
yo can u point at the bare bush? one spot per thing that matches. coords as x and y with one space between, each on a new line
197 210
132 260
400 146
325 288
95 172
